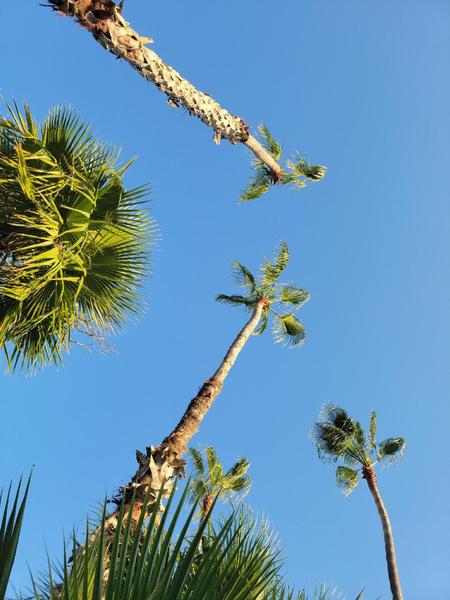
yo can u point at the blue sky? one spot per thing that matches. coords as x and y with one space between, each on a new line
360 87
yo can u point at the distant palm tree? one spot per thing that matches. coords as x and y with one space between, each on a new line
211 481
339 437
103 19
73 240
158 466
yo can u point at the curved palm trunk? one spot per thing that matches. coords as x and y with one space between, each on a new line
161 465
394 579
104 20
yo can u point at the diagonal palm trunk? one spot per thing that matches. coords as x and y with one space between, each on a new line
104 20
394 579
162 464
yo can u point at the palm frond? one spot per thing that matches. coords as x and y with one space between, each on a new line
262 325
391 450
75 243
235 558
234 300
197 461
272 270
288 330
244 277
10 526
290 294
347 479
372 430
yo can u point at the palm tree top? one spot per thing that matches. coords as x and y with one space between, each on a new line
297 171
265 289
210 479
74 242
339 437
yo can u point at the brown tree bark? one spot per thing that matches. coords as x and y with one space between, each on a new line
161 465
391 560
104 20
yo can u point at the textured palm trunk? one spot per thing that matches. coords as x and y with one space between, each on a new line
394 579
160 466
104 20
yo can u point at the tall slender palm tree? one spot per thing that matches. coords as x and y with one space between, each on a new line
104 20
158 466
73 241
211 481
341 438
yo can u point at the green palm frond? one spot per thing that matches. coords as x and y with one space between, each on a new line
234 300
272 270
297 297
372 430
214 466
262 325
13 508
347 479
269 142
74 243
288 330
214 482
391 450
244 277
236 557
197 461
297 171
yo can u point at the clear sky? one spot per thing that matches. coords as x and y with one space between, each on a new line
362 87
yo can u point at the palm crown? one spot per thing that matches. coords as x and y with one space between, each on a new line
211 481
297 172
74 242
339 437
266 289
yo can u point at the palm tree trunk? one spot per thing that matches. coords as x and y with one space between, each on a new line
104 20
394 579
161 465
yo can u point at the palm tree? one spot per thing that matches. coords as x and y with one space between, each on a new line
158 466
211 481
104 20
73 240
163 558
339 437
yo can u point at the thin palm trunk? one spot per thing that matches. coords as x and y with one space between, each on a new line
394 579
164 463
104 20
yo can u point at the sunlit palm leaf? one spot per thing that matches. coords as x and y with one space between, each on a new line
288 330
391 450
75 243
347 479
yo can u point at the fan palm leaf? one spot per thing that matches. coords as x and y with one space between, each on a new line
74 242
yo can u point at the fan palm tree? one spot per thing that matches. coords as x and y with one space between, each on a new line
340 438
73 240
211 481
158 466
104 20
